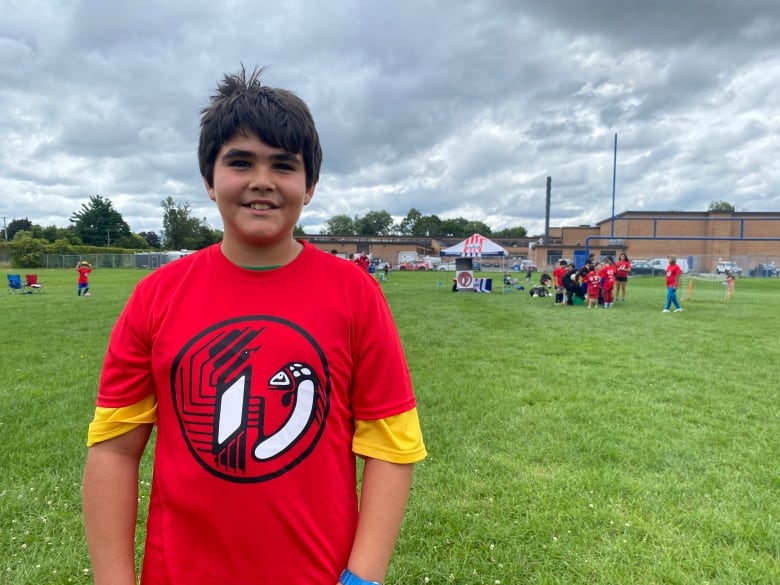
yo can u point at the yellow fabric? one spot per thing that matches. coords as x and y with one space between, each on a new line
397 439
112 422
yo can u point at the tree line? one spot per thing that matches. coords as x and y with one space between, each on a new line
98 226
381 223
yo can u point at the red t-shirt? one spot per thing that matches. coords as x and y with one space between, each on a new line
623 267
558 275
594 283
259 376
673 272
608 274
83 274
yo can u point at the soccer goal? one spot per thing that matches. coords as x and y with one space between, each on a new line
709 288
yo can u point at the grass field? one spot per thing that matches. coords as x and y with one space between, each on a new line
567 446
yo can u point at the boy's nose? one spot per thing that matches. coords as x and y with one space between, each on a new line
261 179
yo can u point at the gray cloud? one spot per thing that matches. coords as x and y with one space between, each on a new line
452 108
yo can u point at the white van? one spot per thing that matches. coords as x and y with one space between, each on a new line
661 264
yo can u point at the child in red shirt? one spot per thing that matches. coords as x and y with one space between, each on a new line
558 273
83 268
608 281
623 267
263 398
673 274
593 279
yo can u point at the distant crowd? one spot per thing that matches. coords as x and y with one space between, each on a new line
595 284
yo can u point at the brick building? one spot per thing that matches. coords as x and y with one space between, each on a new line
704 238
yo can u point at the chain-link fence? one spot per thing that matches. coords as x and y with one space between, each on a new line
755 265
148 260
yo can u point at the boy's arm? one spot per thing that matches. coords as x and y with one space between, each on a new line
110 503
383 498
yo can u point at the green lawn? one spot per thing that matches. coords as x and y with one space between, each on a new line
567 445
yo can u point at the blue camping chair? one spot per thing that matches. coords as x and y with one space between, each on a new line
15 284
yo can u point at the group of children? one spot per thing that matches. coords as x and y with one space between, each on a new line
597 283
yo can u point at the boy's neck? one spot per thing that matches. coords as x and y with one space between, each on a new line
261 257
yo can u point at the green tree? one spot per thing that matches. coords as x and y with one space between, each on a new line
132 242
206 235
512 232
340 225
17 225
152 239
455 228
721 206
298 230
27 251
477 227
97 223
406 227
182 231
427 225
375 223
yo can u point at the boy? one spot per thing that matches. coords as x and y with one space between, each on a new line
262 392
82 284
560 291
673 274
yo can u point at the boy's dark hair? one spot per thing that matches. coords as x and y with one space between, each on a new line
278 117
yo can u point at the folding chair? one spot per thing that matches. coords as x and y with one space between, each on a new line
15 284
31 282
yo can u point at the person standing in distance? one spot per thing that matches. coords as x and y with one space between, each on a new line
623 269
263 394
673 275
84 268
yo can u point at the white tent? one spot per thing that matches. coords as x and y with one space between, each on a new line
475 246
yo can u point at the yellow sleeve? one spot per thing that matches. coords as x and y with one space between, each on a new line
112 422
397 439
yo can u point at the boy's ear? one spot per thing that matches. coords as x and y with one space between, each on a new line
309 194
209 189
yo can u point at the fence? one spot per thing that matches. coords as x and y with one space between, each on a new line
140 260
745 265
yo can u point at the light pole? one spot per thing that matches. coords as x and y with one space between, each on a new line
614 174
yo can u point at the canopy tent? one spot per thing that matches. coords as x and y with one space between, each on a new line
476 246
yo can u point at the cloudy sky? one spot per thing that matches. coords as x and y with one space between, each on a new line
456 108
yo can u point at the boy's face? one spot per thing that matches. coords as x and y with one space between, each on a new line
259 190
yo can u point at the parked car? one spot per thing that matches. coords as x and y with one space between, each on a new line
643 268
414 265
764 270
446 266
524 266
660 264
729 267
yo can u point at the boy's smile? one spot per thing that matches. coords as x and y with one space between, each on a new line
260 192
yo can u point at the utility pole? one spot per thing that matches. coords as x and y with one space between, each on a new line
547 212
5 228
